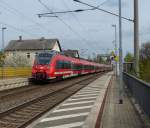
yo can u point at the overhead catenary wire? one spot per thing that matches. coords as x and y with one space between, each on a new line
50 11
75 17
103 10
71 11
20 14
67 25
81 25
78 10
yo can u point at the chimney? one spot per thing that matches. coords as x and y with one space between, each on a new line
20 38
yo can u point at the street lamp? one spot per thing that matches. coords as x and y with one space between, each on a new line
3 45
115 27
115 42
136 28
120 41
120 56
136 36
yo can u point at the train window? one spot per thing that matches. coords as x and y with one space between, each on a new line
81 67
77 66
67 65
92 67
63 65
28 55
73 66
86 67
59 64
43 59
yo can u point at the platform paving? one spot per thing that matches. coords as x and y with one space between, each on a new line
119 115
78 111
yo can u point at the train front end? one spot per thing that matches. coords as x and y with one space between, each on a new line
42 69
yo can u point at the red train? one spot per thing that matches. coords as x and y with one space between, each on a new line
51 65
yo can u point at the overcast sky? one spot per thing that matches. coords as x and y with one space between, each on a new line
90 32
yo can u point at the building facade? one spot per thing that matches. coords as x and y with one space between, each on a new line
29 48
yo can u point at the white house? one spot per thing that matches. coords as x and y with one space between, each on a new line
29 48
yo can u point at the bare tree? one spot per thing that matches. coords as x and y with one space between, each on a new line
145 51
145 62
2 57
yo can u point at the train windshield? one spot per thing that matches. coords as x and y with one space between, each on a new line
43 59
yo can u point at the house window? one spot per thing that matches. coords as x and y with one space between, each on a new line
28 55
14 53
36 53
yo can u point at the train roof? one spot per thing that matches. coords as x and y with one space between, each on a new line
73 59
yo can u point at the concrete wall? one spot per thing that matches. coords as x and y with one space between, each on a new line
24 54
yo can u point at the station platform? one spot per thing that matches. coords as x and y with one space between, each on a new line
117 115
81 110
95 106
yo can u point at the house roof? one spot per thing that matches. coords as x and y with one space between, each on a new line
71 53
32 44
104 55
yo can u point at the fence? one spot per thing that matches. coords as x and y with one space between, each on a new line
140 91
128 67
8 72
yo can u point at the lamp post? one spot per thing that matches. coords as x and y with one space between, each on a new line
136 28
3 45
3 41
120 56
115 41
136 37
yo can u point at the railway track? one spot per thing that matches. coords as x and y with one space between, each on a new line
30 86
14 90
28 106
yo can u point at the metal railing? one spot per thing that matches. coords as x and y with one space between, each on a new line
140 90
